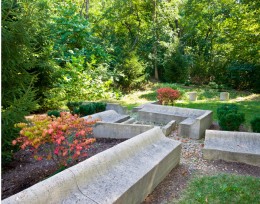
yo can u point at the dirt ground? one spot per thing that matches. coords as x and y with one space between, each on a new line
25 171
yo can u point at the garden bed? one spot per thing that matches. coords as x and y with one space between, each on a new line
24 171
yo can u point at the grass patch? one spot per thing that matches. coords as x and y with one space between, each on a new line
208 99
222 188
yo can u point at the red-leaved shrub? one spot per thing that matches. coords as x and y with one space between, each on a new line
67 135
167 95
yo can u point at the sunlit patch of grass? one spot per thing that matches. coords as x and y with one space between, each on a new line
208 99
222 188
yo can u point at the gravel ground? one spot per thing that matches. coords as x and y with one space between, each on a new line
192 164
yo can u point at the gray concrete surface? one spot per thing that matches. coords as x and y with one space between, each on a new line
117 107
118 130
241 147
167 129
109 116
125 173
129 121
192 122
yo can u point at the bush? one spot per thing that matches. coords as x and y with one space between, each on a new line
67 136
73 105
55 113
167 95
229 117
84 109
255 124
87 109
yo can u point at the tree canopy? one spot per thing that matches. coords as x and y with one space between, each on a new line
59 50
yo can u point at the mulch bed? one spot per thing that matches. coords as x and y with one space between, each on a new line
25 171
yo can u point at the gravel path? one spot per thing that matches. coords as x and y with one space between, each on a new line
192 164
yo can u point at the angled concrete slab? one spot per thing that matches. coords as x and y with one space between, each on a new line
109 116
241 147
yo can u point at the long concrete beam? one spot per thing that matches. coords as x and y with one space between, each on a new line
125 173
232 146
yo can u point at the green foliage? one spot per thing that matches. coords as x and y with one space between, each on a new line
24 45
10 116
86 108
176 68
222 188
255 124
55 113
229 118
131 72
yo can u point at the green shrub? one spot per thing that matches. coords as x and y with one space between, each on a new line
83 109
255 124
55 113
229 117
87 109
100 107
73 105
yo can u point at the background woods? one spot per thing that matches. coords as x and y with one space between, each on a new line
54 51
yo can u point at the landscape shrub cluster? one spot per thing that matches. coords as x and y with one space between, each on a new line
229 117
86 108
255 124
167 95
67 135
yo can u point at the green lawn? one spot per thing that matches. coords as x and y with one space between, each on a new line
208 99
222 189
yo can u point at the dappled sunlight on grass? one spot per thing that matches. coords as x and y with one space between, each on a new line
208 99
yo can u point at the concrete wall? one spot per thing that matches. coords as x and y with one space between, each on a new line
158 117
126 173
192 122
118 130
232 146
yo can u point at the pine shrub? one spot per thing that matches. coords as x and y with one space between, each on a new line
255 124
229 117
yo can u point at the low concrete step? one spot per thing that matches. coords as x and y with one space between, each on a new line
232 146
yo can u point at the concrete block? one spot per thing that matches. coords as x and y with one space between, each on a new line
118 130
224 96
241 147
193 96
109 116
125 173
167 129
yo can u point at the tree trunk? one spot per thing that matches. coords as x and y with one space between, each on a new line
87 9
156 75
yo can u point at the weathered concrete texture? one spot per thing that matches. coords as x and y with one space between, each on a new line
193 96
192 122
118 130
109 116
129 121
116 107
167 129
126 173
232 146
224 96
